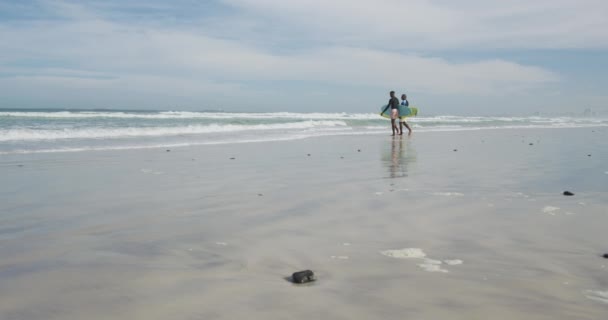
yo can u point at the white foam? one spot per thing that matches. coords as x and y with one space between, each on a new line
428 264
189 115
407 253
221 243
378 193
431 265
340 257
601 296
149 171
27 134
550 210
448 194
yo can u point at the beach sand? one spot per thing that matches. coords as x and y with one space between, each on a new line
394 228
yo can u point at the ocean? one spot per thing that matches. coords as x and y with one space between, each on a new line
40 131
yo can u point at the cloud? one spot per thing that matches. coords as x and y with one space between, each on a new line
82 48
426 24
95 44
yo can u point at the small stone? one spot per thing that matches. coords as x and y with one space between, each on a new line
588 155
455 150
303 276
232 158
605 256
260 195
568 193
531 144
20 165
341 157
309 154
358 150
168 150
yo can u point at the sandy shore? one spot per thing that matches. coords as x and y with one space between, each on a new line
194 234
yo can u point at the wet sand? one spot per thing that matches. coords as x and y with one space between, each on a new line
394 228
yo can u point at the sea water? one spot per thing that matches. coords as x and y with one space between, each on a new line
35 131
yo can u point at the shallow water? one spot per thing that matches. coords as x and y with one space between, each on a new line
190 233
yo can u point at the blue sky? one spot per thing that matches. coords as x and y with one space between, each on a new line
450 57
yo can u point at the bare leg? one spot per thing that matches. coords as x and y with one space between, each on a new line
393 126
408 127
401 128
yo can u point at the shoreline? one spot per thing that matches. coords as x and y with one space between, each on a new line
286 139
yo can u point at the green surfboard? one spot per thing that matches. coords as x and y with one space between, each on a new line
404 112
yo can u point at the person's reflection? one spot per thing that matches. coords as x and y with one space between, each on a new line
401 155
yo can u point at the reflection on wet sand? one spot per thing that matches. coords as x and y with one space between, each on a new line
402 154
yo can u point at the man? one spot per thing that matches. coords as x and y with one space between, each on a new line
393 103
403 123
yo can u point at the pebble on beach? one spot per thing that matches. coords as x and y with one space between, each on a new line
303 276
358 150
309 154
232 158
605 256
531 144
455 150
589 155
168 150
568 193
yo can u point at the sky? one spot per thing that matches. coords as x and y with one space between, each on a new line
450 57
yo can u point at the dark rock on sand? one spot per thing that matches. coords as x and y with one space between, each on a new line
588 155
358 150
260 195
605 255
20 165
232 158
568 193
531 144
303 276
455 150
168 150
309 154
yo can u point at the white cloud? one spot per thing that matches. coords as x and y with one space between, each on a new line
123 50
427 24
89 52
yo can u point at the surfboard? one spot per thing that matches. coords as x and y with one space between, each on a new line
404 112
